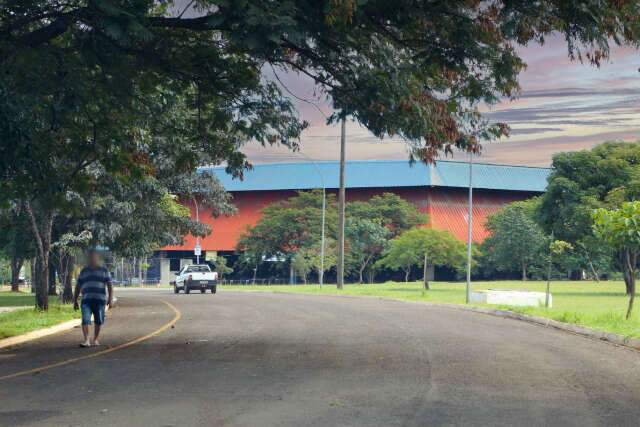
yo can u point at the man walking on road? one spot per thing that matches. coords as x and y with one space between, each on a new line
94 282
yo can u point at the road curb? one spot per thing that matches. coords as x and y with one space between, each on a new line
41 333
610 337
594 334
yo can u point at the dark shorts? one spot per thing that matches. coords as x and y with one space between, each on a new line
95 308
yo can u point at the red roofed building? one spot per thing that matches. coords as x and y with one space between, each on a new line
440 190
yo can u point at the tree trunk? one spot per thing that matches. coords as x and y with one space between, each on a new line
524 272
67 264
626 273
631 298
16 266
42 283
631 260
363 267
424 273
42 235
32 268
361 274
52 279
595 273
371 273
406 275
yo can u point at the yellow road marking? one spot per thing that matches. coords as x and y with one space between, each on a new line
160 330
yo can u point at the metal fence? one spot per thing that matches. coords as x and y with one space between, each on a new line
260 282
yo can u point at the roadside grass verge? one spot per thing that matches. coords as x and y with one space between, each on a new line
25 320
595 305
15 299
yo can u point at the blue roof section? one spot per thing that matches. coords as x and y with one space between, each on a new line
384 173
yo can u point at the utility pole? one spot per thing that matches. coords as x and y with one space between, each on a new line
548 291
324 208
197 249
469 226
341 204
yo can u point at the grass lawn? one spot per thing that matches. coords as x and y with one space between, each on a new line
26 320
596 305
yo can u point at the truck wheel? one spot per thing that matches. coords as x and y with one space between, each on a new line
176 290
202 291
213 290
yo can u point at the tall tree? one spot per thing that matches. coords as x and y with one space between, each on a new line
295 225
366 240
422 246
620 228
289 226
582 181
390 210
516 241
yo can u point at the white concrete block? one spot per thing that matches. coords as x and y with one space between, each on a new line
510 297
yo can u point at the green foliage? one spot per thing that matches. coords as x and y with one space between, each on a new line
416 70
517 242
389 210
220 265
582 181
301 264
16 244
169 206
5 270
620 228
288 226
308 259
365 240
410 249
291 230
136 217
560 247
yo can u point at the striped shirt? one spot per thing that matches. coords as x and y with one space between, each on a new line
93 284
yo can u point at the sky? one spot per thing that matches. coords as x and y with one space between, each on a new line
564 106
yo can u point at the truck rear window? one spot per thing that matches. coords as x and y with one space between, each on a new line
198 269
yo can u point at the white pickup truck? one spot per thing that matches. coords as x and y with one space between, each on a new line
196 277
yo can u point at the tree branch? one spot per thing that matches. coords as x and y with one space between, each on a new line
51 31
202 23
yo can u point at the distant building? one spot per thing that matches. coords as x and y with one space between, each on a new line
439 190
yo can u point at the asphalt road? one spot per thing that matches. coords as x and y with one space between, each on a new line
261 359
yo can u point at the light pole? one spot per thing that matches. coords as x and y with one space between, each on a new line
324 207
197 248
469 226
548 291
341 206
